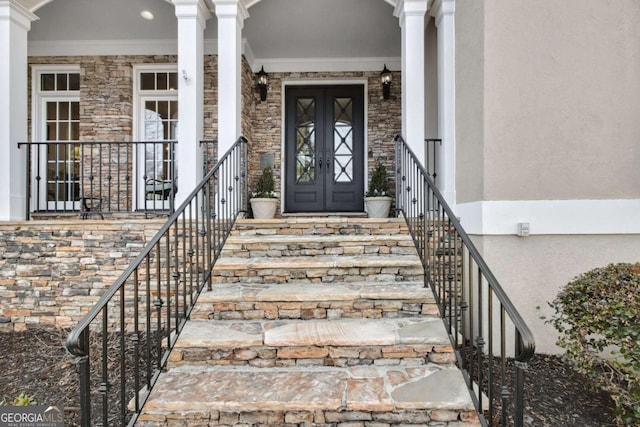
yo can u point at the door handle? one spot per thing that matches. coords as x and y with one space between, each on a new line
320 164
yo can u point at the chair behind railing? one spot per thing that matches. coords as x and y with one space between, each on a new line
98 177
481 321
123 343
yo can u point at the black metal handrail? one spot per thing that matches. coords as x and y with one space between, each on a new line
209 154
136 322
479 316
97 177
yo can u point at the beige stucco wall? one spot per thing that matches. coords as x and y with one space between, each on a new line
560 97
469 100
532 270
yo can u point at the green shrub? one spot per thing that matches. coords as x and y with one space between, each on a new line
598 318
266 185
22 399
378 181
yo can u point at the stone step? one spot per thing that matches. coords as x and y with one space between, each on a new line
235 301
310 245
321 322
429 395
347 342
322 268
319 226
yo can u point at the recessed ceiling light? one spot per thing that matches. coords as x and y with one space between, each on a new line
146 15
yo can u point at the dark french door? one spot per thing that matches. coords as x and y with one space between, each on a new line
324 148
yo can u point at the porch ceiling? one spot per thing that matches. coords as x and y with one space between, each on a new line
275 29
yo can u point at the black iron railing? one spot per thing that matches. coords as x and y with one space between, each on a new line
481 321
431 149
101 177
209 154
123 343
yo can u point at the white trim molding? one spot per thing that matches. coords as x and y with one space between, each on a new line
301 65
287 82
102 47
615 216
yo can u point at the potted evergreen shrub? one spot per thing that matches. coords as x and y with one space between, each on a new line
377 201
263 200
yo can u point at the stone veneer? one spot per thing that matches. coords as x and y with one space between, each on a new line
383 119
53 272
106 106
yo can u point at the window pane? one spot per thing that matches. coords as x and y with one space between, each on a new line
74 81
161 81
52 156
173 81
75 111
47 82
75 131
64 110
52 111
63 131
61 81
163 109
147 81
52 131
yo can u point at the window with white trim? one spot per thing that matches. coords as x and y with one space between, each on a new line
56 119
156 107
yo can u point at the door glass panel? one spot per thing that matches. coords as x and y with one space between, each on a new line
343 140
305 141
63 160
160 124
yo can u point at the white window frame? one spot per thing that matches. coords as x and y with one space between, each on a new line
39 98
139 98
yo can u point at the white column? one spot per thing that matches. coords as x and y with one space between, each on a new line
444 14
231 15
411 14
15 23
192 19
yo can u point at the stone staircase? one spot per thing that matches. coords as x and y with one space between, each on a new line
313 322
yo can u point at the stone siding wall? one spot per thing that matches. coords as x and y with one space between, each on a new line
106 107
106 92
383 120
250 97
53 272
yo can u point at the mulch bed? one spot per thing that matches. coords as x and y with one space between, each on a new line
35 362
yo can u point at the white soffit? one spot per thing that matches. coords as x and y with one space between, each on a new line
284 35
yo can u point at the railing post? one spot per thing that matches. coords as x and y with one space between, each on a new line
84 370
520 367
27 172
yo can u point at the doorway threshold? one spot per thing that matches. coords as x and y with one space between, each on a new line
325 215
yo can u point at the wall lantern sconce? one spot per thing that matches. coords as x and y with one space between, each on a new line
385 78
261 77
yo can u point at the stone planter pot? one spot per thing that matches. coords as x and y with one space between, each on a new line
264 208
377 207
